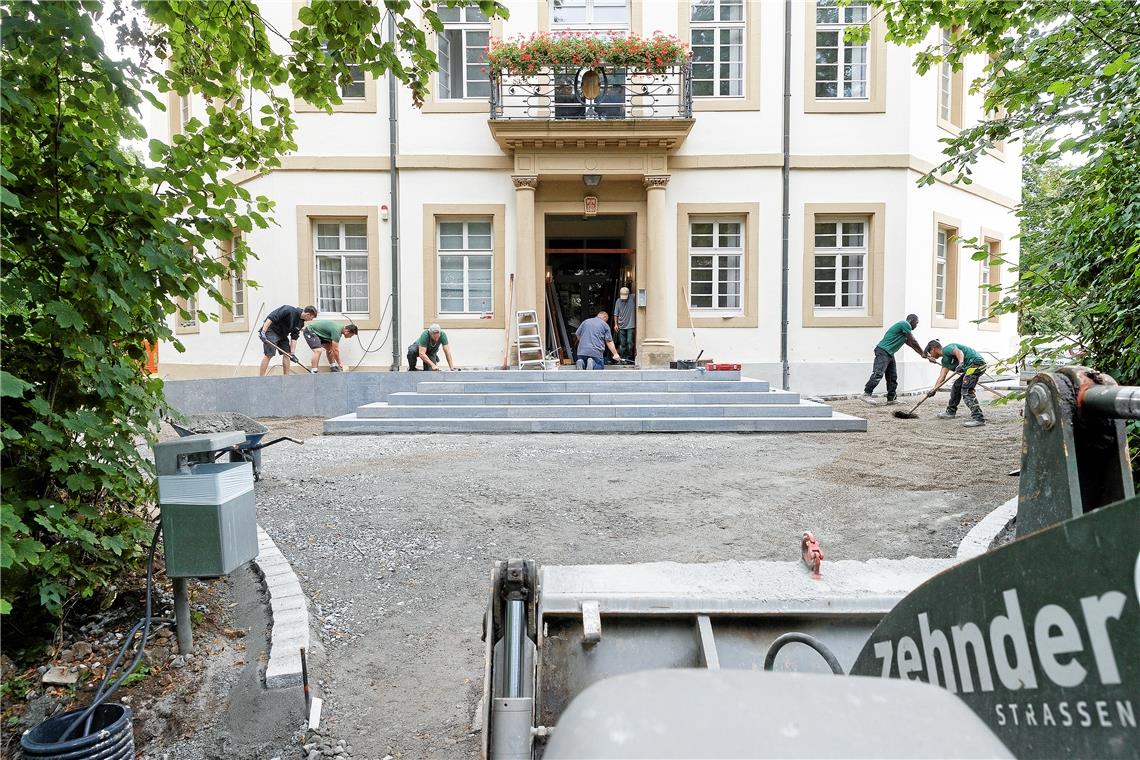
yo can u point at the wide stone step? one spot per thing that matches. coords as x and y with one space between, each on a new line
579 399
597 386
351 423
405 411
569 373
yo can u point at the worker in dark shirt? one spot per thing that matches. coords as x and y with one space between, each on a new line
280 331
893 339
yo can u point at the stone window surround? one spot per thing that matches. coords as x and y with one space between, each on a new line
750 214
943 222
226 321
181 329
957 96
752 42
875 262
307 216
365 105
432 213
989 237
876 71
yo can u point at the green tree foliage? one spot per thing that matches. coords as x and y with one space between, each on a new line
98 244
1064 77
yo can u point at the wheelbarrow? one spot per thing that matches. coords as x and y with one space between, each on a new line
249 451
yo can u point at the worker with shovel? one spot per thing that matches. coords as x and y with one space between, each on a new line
960 358
896 335
280 331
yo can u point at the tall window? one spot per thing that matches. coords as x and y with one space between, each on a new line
840 67
991 276
716 254
841 264
463 53
237 299
945 81
354 90
185 110
941 270
591 14
233 287
717 29
190 305
464 254
342 266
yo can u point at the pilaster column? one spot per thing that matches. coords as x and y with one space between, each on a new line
525 284
656 349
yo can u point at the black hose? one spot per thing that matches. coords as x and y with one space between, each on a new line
104 692
802 638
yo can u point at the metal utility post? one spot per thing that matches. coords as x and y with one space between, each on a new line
183 630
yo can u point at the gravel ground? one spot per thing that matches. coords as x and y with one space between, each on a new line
393 536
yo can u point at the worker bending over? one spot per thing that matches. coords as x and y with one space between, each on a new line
594 337
958 357
280 331
893 339
323 335
426 349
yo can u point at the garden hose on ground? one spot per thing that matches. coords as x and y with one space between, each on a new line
107 732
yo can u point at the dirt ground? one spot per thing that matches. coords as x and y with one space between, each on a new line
394 536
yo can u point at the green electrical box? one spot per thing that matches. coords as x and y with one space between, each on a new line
209 516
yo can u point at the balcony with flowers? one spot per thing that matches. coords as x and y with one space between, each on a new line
633 91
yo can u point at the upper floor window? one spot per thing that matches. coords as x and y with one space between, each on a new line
840 66
353 90
342 266
716 255
462 50
716 33
950 86
591 14
991 281
841 264
185 110
465 266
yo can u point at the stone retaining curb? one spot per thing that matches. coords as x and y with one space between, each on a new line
288 612
978 540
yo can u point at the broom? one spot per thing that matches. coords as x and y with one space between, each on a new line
911 415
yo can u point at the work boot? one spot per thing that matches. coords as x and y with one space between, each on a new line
974 423
867 398
891 401
947 415
334 368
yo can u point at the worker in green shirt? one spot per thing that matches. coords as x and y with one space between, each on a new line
893 339
958 357
426 349
323 335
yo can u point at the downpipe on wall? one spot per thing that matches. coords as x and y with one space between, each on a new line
786 195
394 180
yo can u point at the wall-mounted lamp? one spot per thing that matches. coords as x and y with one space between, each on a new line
384 212
591 180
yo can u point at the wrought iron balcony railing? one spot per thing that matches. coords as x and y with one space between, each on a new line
606 93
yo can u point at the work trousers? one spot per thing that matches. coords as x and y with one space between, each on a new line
963 390
414 356
884 364
625 342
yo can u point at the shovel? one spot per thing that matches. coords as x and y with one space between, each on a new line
292 356
911 415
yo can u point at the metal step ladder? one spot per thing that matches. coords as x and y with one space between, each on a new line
530 351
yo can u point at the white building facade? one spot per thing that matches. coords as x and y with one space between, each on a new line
519 192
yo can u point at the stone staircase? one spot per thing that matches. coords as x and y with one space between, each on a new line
610 401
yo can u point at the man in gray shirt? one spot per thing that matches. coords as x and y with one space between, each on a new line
625 320
594 337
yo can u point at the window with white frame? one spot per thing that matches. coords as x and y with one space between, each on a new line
341 253
841 265
462 53
237 296
840 66
590 14
185 109
991 276
716 35
190 305
945 81
941 270
354 90
716 259
464 254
